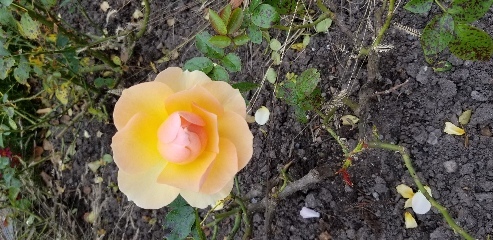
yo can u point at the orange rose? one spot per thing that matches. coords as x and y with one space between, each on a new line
180 134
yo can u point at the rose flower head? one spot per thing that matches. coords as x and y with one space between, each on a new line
180 134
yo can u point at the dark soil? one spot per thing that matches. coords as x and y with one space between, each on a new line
461 178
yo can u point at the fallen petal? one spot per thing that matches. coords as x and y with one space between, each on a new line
405 191
309 213
450 128
421 205
409 220
262 115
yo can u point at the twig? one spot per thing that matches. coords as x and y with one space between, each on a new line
394 88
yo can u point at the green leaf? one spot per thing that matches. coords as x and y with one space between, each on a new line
254 4
324 25
235 21
220 41
104 82
245 86
271 75
275 45
442 66
179 220
217 23
306 40
231 62
202 64
465 117
276 58
418 6
205 47
6 17
28 27
3 51
219 73
254 34
284 7
468 11
48 3
5 65
225 13
241 40
61 40
437 34
12 124
1 141
471 43
6 3
264 16
307 82
21 72
4 161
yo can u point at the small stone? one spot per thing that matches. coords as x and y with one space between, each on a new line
311 201
486 131
423 75
450 166
86 190
432 139
478 96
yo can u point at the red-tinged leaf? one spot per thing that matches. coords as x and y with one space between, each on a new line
345 176
235 3
235 21
225 14
217 23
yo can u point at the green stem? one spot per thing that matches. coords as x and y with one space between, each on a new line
386 25
236 227
95 68
197 225
147 13
407 161
441 6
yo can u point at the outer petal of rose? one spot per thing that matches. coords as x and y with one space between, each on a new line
183 101
222 169
178 80
145 97
143 189
187 176
405 191
135 146
229 97
233 127
201 200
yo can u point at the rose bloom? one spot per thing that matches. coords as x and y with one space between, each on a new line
180 134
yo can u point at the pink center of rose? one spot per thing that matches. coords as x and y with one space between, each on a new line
182 137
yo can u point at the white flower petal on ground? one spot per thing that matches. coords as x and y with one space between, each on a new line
409 220
420 204
309 213
262 115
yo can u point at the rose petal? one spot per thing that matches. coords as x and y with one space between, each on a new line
201 200
233 127
262 115
229 97
408 203
309 213
183 101
135 145
409 220
143 189
187 176
405 191
222 169
146 98
178 80
210 128
421 205
450 128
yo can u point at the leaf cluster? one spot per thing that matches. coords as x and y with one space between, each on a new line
301 92
452 29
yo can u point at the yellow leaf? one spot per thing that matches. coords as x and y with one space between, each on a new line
62 93
450 128
349 120
298 46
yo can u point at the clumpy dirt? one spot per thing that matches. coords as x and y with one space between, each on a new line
461 178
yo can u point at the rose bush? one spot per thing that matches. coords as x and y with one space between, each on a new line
180 134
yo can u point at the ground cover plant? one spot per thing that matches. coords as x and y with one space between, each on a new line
335 119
